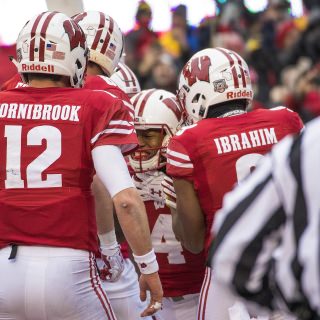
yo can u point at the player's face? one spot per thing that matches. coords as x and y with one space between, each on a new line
149 142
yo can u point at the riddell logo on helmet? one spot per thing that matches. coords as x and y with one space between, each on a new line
37 67
239 94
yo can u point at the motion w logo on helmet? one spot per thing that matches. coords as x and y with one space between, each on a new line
75 34
197 69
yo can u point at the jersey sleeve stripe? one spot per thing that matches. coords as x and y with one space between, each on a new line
179 164
121 122
129 105
106 92
178 155
112 131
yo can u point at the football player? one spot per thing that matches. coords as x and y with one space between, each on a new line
54 138
105 41
223 145
157 117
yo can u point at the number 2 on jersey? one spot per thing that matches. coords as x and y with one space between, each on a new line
34 170
164 240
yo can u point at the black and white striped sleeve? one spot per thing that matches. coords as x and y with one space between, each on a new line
266 238
304 162
246 232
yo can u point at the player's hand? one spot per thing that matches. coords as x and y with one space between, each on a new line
142 187
169 192
149 186
151 282
113 264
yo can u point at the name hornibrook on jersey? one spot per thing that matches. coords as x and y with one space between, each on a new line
39 111
245 140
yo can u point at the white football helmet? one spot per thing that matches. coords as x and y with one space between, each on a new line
210 77
52 43
126 80
104 39
155 109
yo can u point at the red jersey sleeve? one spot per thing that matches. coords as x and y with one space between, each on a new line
12 83
113 125
179 164
291 119
297 124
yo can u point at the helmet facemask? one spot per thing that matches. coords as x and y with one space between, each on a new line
155 110
151 158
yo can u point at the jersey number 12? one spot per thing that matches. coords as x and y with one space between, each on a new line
37 136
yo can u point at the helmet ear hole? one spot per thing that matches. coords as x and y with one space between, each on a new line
78 63
196 98
202 111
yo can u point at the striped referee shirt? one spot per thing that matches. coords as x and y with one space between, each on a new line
267 235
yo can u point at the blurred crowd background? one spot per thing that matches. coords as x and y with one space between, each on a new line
283 51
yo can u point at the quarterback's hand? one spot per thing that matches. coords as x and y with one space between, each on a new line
169 192
113 264
151 282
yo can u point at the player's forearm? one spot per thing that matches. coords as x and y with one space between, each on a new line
191 228
181 236
133 220
113 172
103 207
193 240
176 225
190 218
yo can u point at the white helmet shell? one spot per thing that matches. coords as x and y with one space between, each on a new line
126 80
104 39
156 109
210 77
52 43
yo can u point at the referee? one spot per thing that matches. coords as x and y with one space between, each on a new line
266 246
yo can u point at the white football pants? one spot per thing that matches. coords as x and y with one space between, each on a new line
179 308
124 294
51 283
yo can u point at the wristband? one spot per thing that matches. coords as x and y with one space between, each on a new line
147 263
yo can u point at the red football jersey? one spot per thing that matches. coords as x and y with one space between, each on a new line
105 83
92 82
180 271
216 153
46 167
